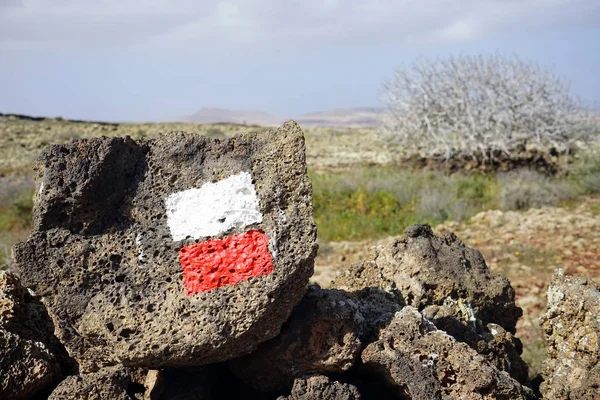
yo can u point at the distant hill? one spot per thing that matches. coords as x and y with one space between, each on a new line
211 115
360 117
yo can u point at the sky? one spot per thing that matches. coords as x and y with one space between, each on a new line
155 60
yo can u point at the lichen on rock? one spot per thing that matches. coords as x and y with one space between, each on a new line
422 269
571 327
424 363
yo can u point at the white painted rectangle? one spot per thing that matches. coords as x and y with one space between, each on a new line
213 208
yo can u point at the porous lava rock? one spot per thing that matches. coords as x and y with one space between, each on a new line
500 347
424 363
323 388
153 384
422 269
571 327
113 217
452 286
323 336
31 358
377 307
111 383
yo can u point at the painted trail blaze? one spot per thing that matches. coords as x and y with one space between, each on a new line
228 261
213 209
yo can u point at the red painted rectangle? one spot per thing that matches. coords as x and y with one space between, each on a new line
228 261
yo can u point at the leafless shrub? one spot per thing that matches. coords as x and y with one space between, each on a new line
478 105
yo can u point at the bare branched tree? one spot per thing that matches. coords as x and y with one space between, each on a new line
479 105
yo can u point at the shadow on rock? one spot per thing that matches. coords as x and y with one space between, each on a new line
32 359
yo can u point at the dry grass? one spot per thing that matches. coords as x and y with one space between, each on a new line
524 189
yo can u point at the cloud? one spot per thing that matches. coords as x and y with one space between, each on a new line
271 24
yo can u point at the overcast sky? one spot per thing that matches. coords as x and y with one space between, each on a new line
155 59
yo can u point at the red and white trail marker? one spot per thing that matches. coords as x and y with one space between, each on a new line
211 210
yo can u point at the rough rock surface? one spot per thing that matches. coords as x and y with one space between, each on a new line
323 336
425 363
31 358
112 383
321 387
153 384
571 326
422 270
102 255
377 307
501 348
451 284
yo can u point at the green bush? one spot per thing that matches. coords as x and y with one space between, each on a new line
369 202
18 214
15 222
360 214
585 172
375 201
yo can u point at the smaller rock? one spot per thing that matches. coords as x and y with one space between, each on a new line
419 230
421 269
322 388
571 327
501 348
424 363
322 336
153 384
112 383
378 307
31 357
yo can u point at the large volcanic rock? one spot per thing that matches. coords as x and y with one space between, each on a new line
112 383
31 358
178 251
424 363
571 327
